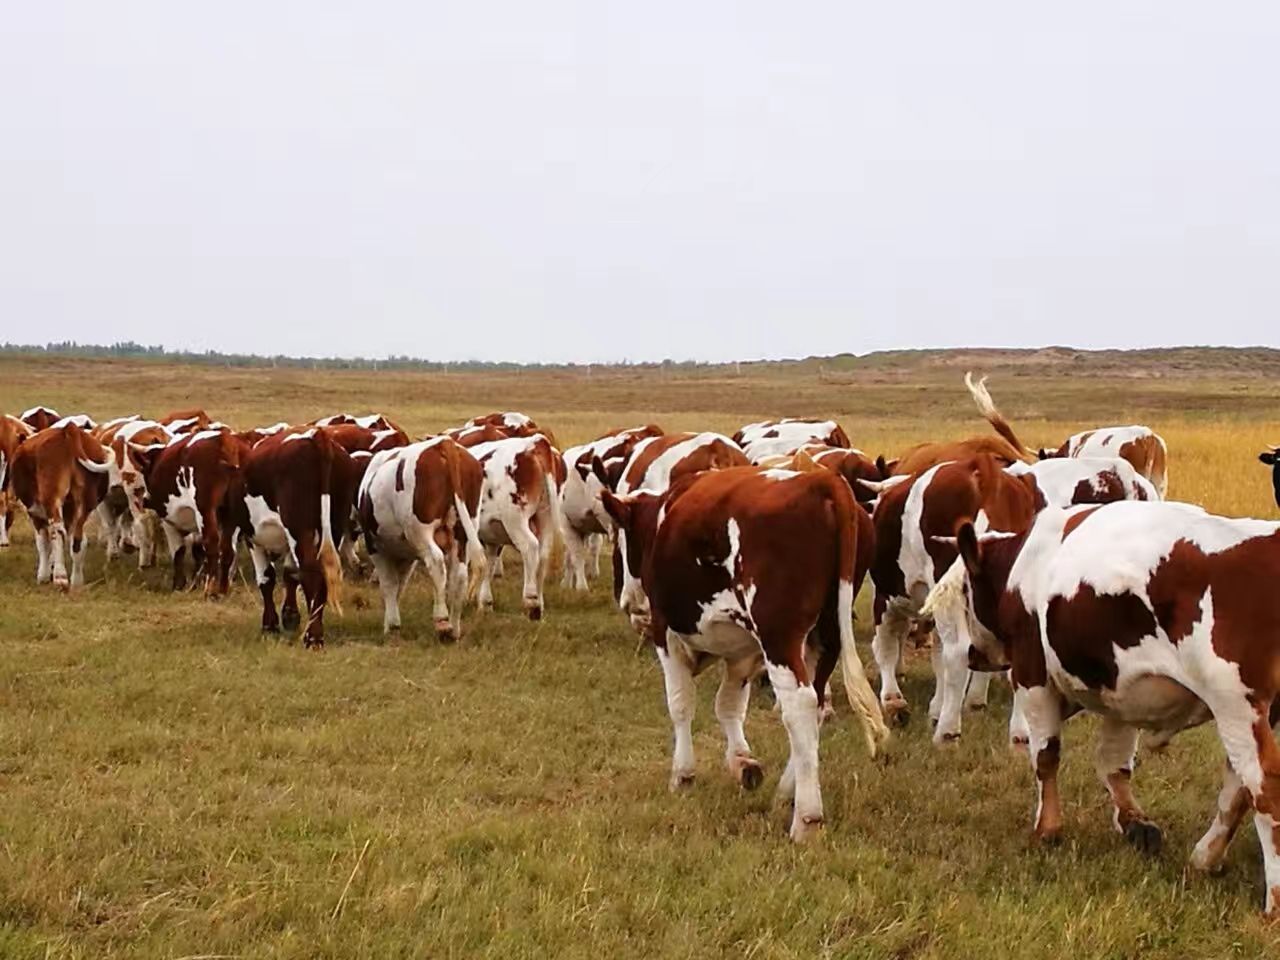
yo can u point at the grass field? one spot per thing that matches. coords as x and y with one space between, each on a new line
175 785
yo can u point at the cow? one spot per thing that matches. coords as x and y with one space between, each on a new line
59 475
1068 482
194 485
654 465
13 431
38 418
419 504
1272 459
122 514
511 425
1156 616
520 507
372 421
181 422
750 565
299 489
914 522
1141 446
859 471
771 438
586 524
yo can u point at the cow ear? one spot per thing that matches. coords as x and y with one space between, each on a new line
597 467
619 508
1041 454
1268 458
970 549
882 467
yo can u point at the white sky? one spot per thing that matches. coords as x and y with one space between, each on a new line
601 180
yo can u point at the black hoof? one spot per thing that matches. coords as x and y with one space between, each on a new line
1145 837
752 776
291 619
271 628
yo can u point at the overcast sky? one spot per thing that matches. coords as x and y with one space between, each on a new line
540 180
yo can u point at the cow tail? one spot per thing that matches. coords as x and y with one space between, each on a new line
330 561
476 560
861 697
987 407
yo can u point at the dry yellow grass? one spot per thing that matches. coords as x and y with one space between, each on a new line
175 785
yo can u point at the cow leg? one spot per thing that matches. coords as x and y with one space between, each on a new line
433 559
177 544
391 576
534 554
731 711
44 551
575 559
1253 754
799 701
290 616
1117 744
495 564
953 657
484 596
77 552
677 672
142 534
109 525
595 546
316 591
1044 724
58 552
264 576
457 593
975 695
212 541
886 647
1233 803
6 513
1019 735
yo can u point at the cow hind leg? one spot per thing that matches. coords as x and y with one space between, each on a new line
975 695
1117 743
731 711
44 551
264 575
886 647
434 560
799 701
290 616
77 558
391 576
677 673
177 545
1234 802
952 657
316 591
484 596
457 593
534 554
58 553
1043 710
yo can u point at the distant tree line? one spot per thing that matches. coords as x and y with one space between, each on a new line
128 349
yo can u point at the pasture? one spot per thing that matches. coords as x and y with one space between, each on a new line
174 784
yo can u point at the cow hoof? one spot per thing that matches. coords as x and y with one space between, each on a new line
444 631
1145 837
681 782
313 643
1208 863
533 611
1050 838
750 774
1021 744
946 739
62 583
271 628
896 712
976 707
804 829
290 619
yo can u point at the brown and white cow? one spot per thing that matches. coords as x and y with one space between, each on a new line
915 524
299 489
757 568
13 432
181 422
1140 446
653 466
372 421
520 507
59 475
418 504
511 424
586 523
123 514
859 471
1073 481
38 418
1156 616
194 484
772 438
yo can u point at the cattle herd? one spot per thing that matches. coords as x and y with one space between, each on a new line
1067 570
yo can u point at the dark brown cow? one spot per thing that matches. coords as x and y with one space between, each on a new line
299 489
418 504
181 422
193 485
910 559
40 418
59 475
13 431
855 466
772 438
750 566
1156 616
586 524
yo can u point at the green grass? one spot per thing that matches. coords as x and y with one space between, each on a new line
173 784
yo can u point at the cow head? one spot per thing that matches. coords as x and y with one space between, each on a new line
636 520
977 585
1272 459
